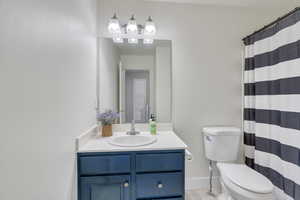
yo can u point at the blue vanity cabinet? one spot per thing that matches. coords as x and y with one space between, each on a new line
141 175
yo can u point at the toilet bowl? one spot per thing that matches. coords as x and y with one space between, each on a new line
243 183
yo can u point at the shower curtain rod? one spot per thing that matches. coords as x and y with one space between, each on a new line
274 22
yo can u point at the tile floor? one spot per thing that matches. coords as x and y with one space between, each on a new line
198 194
201 194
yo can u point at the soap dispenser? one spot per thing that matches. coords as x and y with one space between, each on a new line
152 124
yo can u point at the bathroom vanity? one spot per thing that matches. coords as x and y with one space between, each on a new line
140 84
154 171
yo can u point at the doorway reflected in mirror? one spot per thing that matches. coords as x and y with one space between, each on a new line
135 80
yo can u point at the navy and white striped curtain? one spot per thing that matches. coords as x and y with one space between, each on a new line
272 105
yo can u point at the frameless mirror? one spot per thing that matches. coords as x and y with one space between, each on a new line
135 80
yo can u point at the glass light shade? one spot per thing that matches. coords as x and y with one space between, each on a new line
148 41
132 28
133 40
114 25
150 28
118 39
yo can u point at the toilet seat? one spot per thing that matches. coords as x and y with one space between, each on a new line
244 182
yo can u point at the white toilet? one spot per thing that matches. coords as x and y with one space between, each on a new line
239 182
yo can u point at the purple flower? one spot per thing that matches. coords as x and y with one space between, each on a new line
108 117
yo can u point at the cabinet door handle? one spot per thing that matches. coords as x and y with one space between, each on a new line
160 185
126 184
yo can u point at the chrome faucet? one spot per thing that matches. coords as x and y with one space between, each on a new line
132 130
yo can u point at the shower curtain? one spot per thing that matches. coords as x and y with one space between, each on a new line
272 105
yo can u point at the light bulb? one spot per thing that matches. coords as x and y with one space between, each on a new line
131 27
150 28
114 25
148 41
133 40
118 39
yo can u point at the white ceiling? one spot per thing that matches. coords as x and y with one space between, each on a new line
243 3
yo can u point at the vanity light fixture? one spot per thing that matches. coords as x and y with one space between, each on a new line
133 41
132 27
132 31
150 28
148 41
118 39
114 26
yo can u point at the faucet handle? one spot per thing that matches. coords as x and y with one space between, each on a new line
133 131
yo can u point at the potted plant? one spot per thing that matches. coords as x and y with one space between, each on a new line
107 118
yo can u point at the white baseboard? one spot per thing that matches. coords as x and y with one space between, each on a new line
192 183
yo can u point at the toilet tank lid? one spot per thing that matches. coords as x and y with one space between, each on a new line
221 130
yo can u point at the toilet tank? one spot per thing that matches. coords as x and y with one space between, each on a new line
222 143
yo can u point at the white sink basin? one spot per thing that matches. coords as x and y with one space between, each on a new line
132 140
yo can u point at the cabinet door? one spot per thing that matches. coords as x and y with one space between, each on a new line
105 188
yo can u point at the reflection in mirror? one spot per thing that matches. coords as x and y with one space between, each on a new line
135 80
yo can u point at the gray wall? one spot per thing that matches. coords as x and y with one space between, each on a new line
163 84
206 60
47 83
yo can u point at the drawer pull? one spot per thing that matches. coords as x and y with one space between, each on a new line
126 184
160 185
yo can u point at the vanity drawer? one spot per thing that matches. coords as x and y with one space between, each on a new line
159 185
159 162
106 164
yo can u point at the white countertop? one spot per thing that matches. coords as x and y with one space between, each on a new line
166 140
